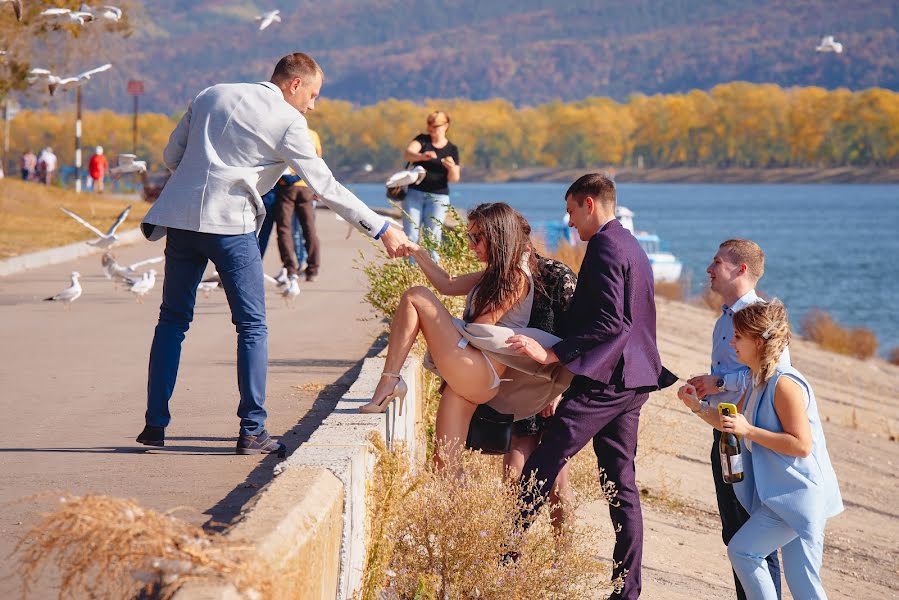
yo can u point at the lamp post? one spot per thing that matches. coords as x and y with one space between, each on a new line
78 139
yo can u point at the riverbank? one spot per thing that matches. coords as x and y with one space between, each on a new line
472 174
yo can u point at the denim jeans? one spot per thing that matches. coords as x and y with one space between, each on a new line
426 211
237 259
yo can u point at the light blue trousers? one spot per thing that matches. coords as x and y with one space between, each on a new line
763 534
426 211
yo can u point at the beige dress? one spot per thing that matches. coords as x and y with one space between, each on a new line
527 386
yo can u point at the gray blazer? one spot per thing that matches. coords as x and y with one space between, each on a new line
230 147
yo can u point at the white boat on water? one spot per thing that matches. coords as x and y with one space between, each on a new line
665 266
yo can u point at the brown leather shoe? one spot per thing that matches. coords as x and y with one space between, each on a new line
261 443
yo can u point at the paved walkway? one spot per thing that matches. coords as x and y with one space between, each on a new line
73 388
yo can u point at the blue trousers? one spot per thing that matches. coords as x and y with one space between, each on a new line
237 260
733 516
426 212
763 534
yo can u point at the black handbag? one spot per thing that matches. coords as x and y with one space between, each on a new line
490 431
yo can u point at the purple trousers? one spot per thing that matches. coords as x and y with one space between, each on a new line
610 417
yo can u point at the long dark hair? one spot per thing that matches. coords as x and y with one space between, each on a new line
506 233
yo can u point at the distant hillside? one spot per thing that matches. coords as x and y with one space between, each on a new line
527 51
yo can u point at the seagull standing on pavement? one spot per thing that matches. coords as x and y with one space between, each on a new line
16 6
70 294
207 287
266 19
104 240
142 286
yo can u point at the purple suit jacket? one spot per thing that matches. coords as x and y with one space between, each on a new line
613 314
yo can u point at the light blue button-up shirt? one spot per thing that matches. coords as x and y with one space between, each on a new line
724 358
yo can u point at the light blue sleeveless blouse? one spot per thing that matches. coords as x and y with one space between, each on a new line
802 491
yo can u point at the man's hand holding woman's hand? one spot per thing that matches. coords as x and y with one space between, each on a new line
396 243
550 409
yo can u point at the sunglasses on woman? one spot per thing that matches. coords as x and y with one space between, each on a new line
474 238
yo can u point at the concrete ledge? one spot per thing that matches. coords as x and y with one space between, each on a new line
53 256
310 522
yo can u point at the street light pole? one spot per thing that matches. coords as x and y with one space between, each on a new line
78 139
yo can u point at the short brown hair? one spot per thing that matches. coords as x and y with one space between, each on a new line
746 252
597 186
296 65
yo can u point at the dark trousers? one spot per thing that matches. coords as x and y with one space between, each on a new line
237 260
297 200
733 516
611 418
269 201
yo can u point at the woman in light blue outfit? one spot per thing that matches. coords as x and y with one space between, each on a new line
426 203
789 487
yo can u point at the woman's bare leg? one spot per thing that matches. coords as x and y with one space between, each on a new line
453 419
561 495
464 369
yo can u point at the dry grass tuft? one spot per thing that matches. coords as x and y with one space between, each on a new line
893 356
820 327
32 220
672 290
436 536
112 548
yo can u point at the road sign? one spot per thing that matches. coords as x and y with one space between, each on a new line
135 87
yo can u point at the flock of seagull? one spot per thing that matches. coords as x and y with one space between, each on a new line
140 283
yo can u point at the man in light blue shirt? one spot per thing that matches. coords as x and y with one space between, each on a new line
733 273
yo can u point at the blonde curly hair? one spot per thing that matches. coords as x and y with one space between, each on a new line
769 322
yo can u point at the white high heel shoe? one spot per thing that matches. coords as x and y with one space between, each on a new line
399 392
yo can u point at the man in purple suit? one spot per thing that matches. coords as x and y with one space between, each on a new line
610 346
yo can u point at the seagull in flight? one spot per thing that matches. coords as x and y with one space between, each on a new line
829 45
114 271
266 19
128 164
70 294
65 14
104 240
16 6
54 82
108 13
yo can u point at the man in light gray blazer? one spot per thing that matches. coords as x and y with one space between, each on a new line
231 146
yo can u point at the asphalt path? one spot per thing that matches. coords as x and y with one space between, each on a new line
73 389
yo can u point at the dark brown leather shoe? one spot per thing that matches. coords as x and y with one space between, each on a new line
261 443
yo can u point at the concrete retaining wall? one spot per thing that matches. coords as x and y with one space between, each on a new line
310 522
53 256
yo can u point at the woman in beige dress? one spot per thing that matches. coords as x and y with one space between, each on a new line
470 354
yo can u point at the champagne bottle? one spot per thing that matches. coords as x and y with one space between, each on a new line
731 455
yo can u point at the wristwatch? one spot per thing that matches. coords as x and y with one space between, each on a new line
719 383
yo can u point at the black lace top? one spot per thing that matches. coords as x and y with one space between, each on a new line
558 282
